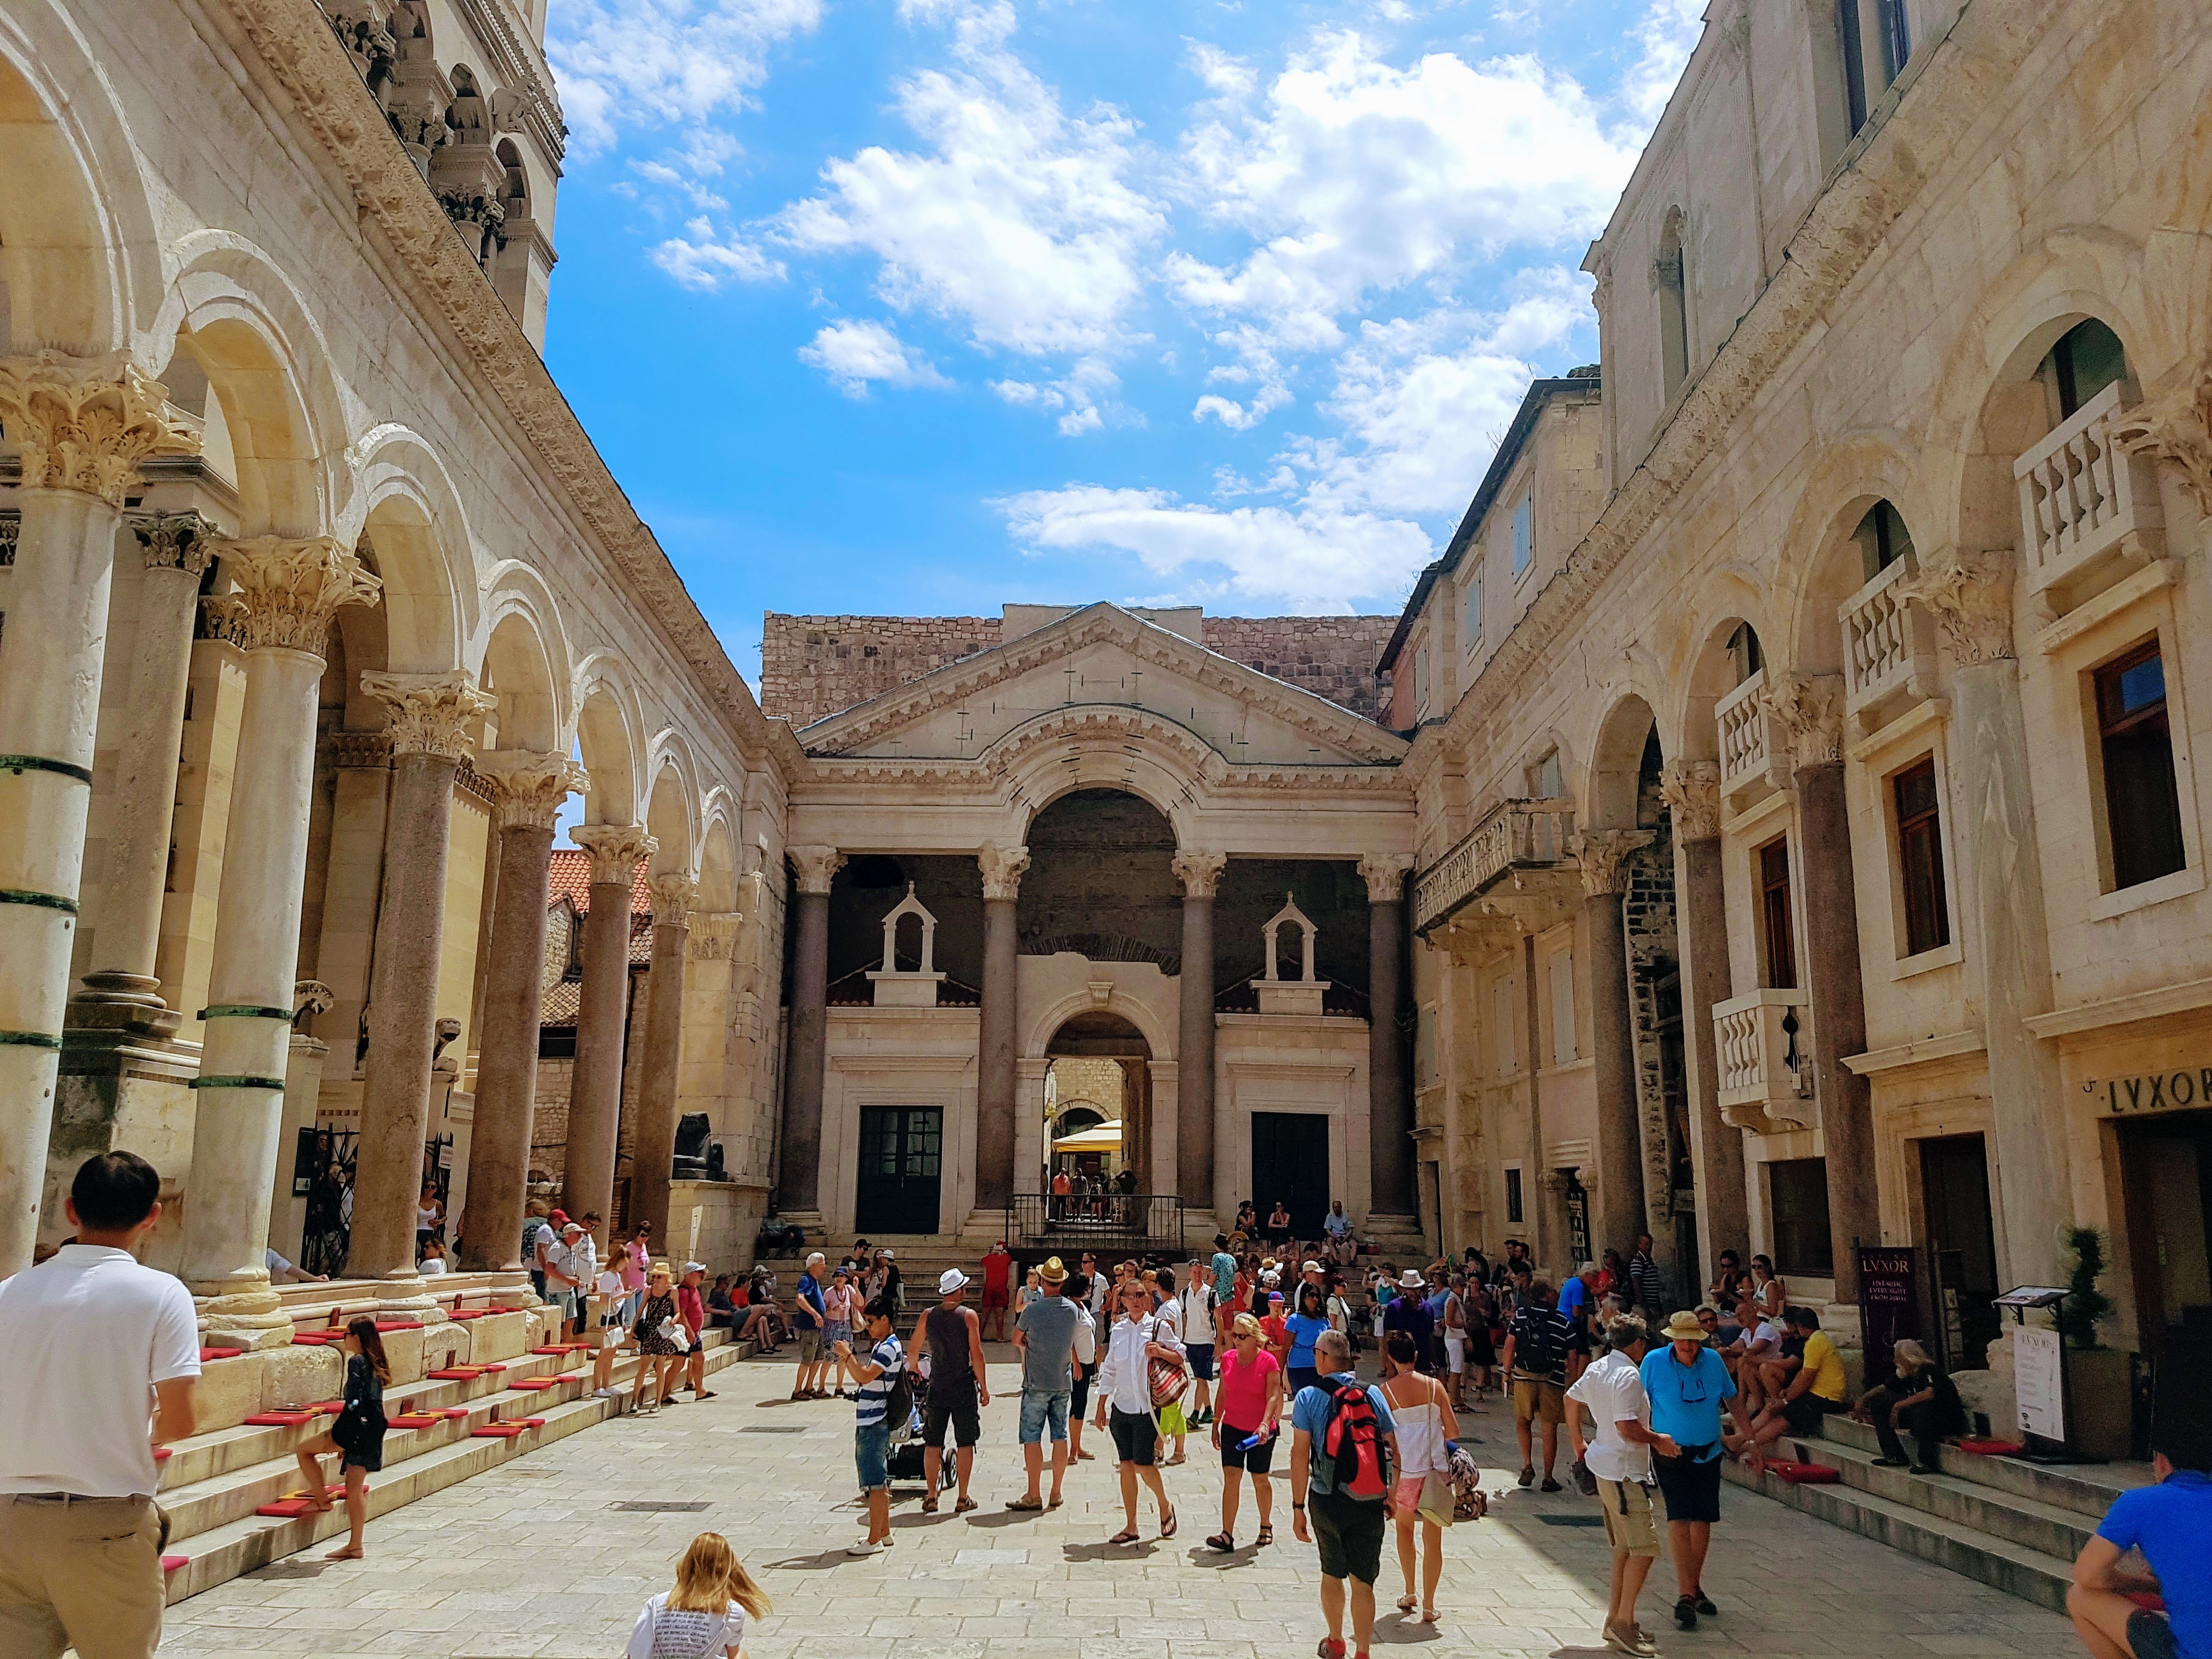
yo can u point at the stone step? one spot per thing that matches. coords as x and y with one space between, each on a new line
2043 1527
218 1543
2086 1489
2030 1574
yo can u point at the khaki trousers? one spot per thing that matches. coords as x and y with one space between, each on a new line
85 1574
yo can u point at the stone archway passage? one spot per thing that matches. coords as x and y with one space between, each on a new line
1100 1036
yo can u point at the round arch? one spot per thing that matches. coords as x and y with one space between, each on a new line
1158 760
718 852
1036 1042
1608 801
611 740
1822 566
672 810
1729 598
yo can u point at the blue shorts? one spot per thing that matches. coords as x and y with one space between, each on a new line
872 1454
1038 1409
1201 1355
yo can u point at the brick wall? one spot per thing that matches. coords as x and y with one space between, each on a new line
814 666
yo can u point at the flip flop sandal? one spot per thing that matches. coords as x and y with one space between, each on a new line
1408 1603
1168 1526
1055 1502
1027 1505
929 1506
1124 1536
1268 1535
1428 1616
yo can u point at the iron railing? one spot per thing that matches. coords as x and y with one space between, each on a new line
1143 1225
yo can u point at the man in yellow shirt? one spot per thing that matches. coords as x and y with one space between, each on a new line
1816 1388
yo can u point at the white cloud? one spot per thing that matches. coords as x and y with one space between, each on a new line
1084 397
623 65
853 354
1315 564
1017 222
704 259
1667 33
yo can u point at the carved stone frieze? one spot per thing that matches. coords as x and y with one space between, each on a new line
1810 707
175 541
288 589
713 936
616 849
361 751
2175 427
429 714
1475 937
1692 790
1385 876
1003 867
11 529
84 423
529 785
1969 592
818 866
1603 855
1199 872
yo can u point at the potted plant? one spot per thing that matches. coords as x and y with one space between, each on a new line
2099 1411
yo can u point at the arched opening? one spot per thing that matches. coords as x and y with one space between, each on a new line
1101 882
1670 277
1098 1129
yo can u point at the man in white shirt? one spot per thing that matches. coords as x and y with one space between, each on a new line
1618 1452
98 1369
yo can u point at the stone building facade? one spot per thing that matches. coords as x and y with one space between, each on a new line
1881 560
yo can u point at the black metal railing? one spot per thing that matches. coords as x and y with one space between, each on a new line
1065 1225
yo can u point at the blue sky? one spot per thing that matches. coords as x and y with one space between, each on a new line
924 306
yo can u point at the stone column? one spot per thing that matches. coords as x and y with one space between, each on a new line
1201 875
1546 1235
1969 594
431 718
1390 1094
530 788
81 427
1619 1214
287 592
654 1161
1692 789
1810 707
121 989
1003 867
799 1189
595 1081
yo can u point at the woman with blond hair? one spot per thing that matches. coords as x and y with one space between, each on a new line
704 1616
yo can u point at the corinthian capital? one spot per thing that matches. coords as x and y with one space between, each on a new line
1603 855
175 541
1385 874
1003 868
288 589
1199 872
530 786
672 899
617 850
1969 592
2174 427
85 424
1810 708
1692 793
429 714
818 866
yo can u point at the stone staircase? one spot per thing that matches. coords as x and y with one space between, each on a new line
2012 1524
215 1484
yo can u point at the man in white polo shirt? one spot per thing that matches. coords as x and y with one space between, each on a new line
98 1369
1617 1452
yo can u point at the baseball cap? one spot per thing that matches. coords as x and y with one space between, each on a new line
694 1267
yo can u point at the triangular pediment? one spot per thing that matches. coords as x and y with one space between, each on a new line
1103 658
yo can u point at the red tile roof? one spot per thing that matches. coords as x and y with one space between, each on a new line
570 873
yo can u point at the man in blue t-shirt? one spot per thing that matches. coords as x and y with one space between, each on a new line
2171 1524
1687 1385
1350 1529
1578 1301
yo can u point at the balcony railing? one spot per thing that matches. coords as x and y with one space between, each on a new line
1147 1224
1889 646
1514 835
1748 750
1765 1061
2082 497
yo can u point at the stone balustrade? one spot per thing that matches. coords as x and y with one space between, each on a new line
1748 749
1514 835
1765 1061
1889 646
2084 503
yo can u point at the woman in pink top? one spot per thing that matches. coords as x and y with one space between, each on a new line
1247 1403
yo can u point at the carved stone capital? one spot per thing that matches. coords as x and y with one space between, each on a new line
175 541
85 424
2175 427
1475 937
1003 868
1385 875
530 786
1969 592
1810 709
431 713
288 590
672 898
1199 872
1603 855
617 850
310 997
713 936
361 751
818 866
1693 792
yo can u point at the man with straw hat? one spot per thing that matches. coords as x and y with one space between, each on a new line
1051 1332
1686 1382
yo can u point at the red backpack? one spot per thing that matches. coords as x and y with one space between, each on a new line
1354 1443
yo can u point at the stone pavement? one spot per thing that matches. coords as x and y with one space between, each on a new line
532 1558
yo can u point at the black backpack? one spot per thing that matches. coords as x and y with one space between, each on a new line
898 1403
1536 1348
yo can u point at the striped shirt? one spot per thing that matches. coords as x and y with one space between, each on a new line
877 1391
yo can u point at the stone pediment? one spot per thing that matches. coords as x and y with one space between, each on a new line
1095 667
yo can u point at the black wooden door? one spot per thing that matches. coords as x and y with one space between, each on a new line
901 1156
1290 1162
1954 1185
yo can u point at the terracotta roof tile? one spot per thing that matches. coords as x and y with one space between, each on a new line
570 873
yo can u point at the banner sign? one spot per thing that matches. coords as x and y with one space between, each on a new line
2037 1371
1889 1299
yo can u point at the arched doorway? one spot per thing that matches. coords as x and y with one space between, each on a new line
1098 1129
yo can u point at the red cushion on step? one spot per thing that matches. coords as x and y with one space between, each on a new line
383 1325
491 1369
1803 1474
471 1313
457 1373
498 1431
552 1348
328 1407
1993 1447
279 1419
416 1420
170 1563
162 1454
317 1340
536 1383
207 1354
535 1422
